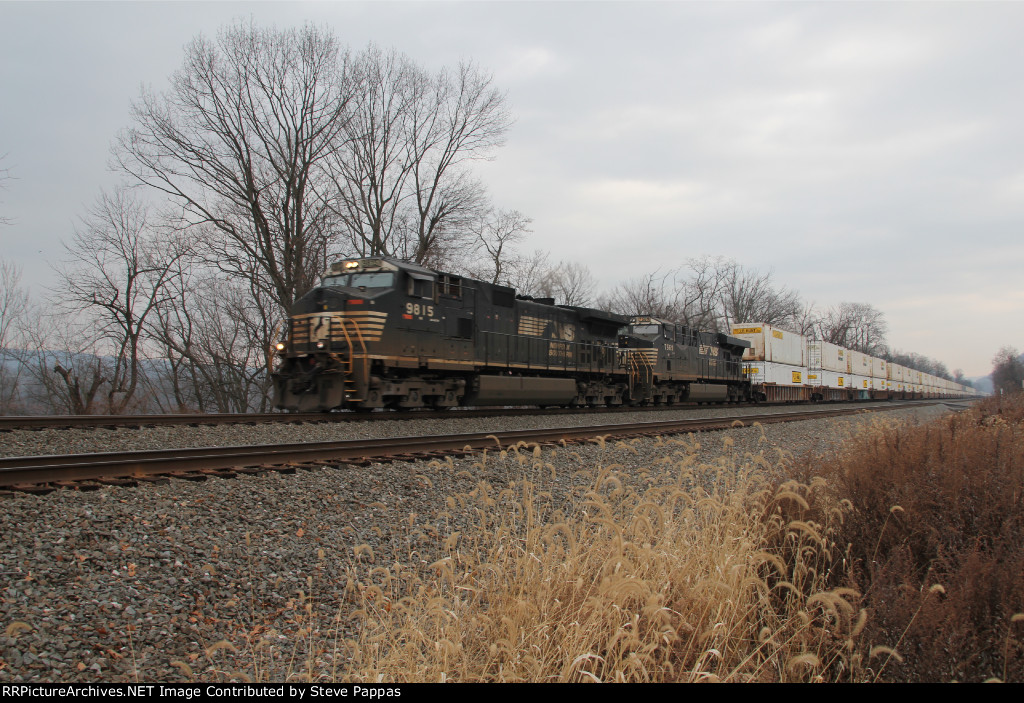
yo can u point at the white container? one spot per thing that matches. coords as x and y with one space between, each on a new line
766 372
860 383
826 356
858 363
770 344
823 378
878 368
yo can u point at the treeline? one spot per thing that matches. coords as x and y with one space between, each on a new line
271 154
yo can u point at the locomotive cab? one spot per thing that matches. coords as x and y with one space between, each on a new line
341 313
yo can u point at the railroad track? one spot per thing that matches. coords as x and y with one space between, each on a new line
45 472
30 422
35 422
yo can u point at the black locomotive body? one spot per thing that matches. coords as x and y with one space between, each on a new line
384 333
685 364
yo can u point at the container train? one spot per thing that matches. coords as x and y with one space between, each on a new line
384 333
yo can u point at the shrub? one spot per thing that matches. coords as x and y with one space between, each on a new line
935 539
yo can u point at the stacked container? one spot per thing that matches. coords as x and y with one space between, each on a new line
775 357
826 365
896 378
879 379
859 367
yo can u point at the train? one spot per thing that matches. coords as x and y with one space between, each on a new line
384 333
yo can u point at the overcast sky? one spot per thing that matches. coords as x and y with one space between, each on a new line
866 152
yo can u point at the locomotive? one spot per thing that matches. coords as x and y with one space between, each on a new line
384 333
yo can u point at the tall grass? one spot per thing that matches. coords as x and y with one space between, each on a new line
697 573
937 542
899 559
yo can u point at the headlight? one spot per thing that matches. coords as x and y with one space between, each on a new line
319 345
280 346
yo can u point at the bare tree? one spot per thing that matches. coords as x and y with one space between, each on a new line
118 272
14 303
494 255
64 363
239 144
959 377
804 321
913 360
456 118
569 283
749 295
402 186
699 292
710 293
211 333
369 174
857 326
1008 371
653 294
526 272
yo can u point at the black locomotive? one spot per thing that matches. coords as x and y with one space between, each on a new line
385 333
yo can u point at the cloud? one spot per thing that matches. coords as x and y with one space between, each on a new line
520 64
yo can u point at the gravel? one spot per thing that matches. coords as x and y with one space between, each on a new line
230 579
83 441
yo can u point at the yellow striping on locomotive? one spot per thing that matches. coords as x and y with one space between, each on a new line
532 326
339 326
650 354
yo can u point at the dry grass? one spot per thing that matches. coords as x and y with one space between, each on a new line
693 572
699 573
936 542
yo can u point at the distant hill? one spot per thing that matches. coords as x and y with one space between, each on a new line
984 383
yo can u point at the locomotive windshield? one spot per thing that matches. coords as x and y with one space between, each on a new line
646 329
384 279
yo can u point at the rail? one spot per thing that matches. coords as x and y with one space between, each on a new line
22 471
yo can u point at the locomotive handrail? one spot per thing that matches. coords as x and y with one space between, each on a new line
351 349
641 372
